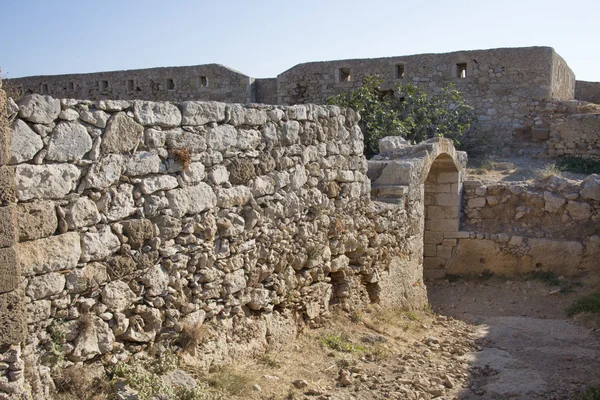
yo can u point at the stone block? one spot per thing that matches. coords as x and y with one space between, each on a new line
8 226
476 202
444 251
36 220
438 188
447 177
7 185
10 274
456 235
430 237
13 318
434 212
54 253
4 146
449 242
540 133
558 256
433 262
442 225
429 250
447 199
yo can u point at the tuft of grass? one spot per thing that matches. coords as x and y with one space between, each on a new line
592 393
411 316
191 336
230 382
182 156
549 171
268 360
588 303
80 383
551 279
340 343
578 165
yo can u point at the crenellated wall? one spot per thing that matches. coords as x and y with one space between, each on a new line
141 220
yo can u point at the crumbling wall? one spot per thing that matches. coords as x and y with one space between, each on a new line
518 228
140 220
199 82
587 91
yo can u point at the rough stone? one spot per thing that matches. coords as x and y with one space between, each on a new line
156 280
10 272
46 285
69 141
590 187
105 172
235 196
144 163
36 220
50 254
222 138
81 279
38 109
13 319
148 113
98 245
155 183
82 212
122 134
24 142
97 118
553 202
52 181
117 296
191 200
8 226
138 231
202 112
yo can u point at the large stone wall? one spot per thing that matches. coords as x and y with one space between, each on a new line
200 82
140 220
502 85
519 228
587 91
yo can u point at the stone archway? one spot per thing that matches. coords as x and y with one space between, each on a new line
425 181
441 203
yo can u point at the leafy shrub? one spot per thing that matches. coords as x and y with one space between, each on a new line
578 165
589 303
408 112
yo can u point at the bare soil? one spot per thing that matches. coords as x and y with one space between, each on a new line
484 339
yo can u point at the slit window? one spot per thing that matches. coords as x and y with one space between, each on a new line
170 84
44 88
202 82
103 86
461 70
344 74
399 71
130 84
70 87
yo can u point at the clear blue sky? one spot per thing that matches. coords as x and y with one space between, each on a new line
265 37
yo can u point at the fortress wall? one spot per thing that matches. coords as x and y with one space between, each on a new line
587 91
266 91
200 82
140 220
563 79
519 228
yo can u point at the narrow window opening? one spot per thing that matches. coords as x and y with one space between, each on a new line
170 84
70 87
44 88
103 86
203 81
461 70
130 85
345 75
399 71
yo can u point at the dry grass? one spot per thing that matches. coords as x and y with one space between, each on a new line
191 336
81 383
182 156
549 171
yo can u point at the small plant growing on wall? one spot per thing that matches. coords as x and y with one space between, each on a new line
406 111
182 156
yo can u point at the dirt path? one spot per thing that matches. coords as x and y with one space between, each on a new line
529 349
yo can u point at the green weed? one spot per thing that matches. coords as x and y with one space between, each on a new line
588 303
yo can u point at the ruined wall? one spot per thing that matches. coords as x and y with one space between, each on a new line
562 80
139 220
200 82
587 91
518 228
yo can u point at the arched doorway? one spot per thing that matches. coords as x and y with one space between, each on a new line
441 201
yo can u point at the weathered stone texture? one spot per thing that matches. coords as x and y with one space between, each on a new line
13 328
36 220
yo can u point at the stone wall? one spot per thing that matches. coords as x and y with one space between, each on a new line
141 220
266 91
587 91
518 228
200 82
13 328
502 85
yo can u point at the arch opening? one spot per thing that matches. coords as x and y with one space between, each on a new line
441 202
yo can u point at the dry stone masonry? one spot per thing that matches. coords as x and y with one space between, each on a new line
139 220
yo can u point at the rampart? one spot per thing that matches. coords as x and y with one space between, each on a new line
587 91
140 221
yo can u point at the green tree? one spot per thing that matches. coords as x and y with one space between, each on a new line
407 111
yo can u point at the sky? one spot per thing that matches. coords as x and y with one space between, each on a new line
263 38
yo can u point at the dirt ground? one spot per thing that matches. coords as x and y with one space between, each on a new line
483 339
